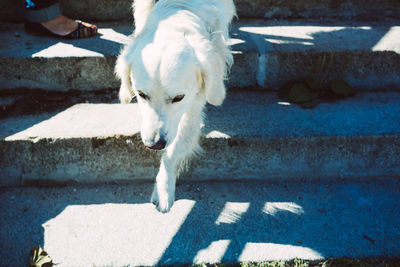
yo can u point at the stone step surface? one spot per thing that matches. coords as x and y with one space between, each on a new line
211 222
116 10
266 53
254 135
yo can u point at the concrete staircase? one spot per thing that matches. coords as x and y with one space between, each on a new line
60 123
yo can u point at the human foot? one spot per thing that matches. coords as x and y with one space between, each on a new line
62 27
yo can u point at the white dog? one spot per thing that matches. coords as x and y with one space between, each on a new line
176 61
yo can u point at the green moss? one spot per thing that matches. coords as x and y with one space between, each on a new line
334 262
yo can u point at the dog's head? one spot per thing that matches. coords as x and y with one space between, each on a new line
167 78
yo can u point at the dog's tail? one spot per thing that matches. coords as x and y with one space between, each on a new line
221 36
229 12
141 11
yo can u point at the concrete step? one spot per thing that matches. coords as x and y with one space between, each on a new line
254 135
267 53
104 10
211 222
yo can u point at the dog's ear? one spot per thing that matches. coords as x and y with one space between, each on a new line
123 72
215 59
211 80
213 87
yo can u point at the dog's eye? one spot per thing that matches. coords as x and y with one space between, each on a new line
143 95
177 98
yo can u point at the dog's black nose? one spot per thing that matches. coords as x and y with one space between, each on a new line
157 146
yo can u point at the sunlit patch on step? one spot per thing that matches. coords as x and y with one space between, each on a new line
271 252
113 234
272 208
213 253
232 212
61 49
111 35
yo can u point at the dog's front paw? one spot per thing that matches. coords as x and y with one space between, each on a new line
125 94
162 200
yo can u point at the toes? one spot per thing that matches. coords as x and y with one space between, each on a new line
154 197
162 199
164 206
162 209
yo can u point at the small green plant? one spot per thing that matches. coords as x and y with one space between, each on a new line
300 263
332 262
40 258
264 264
294 263
319 83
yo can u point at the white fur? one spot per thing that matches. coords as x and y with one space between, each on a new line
178 49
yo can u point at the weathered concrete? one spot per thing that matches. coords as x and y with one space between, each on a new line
51 64
32 62
211 222
288 49
266 53
344 9
104 10
264 138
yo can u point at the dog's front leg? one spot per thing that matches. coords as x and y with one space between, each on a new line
164 189
183 146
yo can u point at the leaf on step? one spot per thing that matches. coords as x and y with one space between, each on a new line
311 83
284 91
40 258
299 93
341 87
309 104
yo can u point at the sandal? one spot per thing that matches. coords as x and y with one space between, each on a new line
84 30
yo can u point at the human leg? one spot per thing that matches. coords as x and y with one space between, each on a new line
44 17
